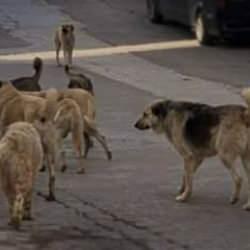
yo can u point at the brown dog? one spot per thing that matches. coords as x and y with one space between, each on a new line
86 103
38 111
65 39
21 156
68 119
198 131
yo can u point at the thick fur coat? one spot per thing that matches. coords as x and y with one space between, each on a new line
21 156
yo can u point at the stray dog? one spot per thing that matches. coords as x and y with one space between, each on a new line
198 131
68 119
65 38
77 80
30 83
38 111
86 103
21 156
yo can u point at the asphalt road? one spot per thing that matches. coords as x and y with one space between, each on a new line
124 22
129 203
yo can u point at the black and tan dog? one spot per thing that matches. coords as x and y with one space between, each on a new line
77 80
198 131
29 83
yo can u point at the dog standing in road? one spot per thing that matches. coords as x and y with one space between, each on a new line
65 39
77 80
21 156
198 131
29 83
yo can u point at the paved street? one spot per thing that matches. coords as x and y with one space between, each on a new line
128 203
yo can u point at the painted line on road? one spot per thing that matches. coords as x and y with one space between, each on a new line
107 51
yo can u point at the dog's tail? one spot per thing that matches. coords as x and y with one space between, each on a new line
37 66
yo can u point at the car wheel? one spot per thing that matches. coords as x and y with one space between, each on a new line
153 11
201 31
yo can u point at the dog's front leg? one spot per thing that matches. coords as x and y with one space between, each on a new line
66 55
190 166
52 178
182 186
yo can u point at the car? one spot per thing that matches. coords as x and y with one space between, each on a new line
207 18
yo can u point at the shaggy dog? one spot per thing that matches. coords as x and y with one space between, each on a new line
30 83
65 38
86 103
77 80
68 119
198 131
38 111
21 157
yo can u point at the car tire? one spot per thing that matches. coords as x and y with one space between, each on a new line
201 31
153 11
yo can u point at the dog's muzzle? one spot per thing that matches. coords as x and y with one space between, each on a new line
141 126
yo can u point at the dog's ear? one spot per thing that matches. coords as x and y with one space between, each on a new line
160 109
71 27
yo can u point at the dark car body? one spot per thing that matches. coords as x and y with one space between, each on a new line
226 18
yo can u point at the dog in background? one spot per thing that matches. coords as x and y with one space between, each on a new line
77 80
29 83
21 156
65 39
198 131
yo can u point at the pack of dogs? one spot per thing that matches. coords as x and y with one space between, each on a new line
35 122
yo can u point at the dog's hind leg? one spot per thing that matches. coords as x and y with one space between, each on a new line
229 162
102 140
17 211
27 206
246 164
191 164
88 143
52 178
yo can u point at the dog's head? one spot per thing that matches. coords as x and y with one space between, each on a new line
153 117
74 84
37 63
67 28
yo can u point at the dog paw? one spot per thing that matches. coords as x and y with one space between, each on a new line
234 200
181 198
81 171
247 206
50 197
42 169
